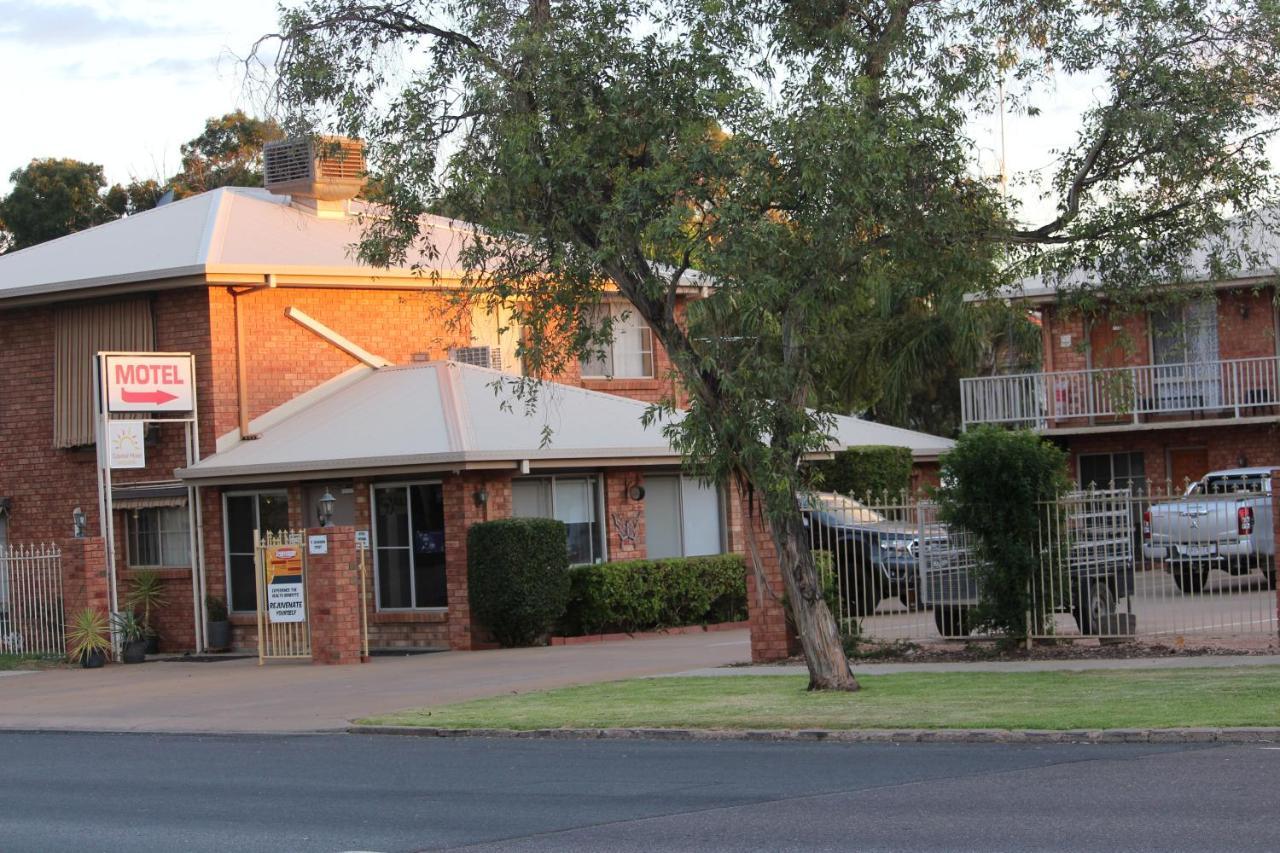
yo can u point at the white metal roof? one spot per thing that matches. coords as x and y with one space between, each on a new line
450 415
229 230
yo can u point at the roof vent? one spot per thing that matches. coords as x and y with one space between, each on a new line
329 168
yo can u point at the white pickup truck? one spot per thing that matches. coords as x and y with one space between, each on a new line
1222 522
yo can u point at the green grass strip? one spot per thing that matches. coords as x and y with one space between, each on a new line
1243 696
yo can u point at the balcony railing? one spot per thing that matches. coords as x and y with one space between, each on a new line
1232 389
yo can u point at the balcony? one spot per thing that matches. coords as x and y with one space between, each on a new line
1082 399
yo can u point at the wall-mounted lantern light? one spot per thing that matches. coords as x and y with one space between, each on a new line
78 523
324 508
480 496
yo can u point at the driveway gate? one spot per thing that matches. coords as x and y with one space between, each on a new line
284 630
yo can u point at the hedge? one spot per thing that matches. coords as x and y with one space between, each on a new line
642 595
875 470
518 577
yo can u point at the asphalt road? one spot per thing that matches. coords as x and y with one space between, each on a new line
133 792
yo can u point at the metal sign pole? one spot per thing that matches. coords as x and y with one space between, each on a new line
106 509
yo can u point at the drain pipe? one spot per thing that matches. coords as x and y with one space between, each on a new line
242 376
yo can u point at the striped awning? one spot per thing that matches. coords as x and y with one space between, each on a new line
149 496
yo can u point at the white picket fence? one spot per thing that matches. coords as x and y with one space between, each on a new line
31 615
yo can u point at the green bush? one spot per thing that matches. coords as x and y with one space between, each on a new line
995 483
878 471
641 595
518 577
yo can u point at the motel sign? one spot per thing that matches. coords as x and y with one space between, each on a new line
149 383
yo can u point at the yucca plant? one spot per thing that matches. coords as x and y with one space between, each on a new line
87 639
147 593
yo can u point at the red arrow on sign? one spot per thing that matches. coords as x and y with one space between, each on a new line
156 397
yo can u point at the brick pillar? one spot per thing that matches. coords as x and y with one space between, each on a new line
84 576
772 638
462 509
624 517
333 584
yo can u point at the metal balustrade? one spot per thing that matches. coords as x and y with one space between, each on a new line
1232 388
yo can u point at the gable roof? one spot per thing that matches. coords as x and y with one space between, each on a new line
449 415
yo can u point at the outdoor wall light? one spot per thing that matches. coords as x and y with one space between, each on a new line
78 523
480 496
324 508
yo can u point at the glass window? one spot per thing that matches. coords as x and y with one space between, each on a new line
243 514
573 500
159 536
1114 471
630 353
409 546
681 517
1187 334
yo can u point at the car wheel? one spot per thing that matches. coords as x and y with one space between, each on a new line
1095 606
951 621
1189 579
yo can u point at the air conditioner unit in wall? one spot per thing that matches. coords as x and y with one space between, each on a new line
490 357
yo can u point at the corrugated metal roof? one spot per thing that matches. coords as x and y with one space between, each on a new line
445 413
227 230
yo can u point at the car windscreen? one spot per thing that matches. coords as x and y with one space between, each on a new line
1230 485
843 510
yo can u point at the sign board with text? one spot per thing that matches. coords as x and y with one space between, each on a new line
126 444
149 382
286 599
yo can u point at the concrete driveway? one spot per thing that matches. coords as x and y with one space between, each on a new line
240 696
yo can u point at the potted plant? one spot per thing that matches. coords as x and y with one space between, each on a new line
219 629
148 593
133 636
87 639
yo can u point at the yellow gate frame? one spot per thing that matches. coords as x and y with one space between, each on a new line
281 640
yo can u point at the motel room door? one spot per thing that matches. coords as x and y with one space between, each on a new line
1187 465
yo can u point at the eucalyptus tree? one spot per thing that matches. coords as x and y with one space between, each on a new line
801 156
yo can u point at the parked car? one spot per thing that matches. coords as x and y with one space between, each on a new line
1096 534
874 557
1223 522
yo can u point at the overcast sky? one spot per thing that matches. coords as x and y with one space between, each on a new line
124 83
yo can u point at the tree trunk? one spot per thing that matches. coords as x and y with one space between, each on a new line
819 635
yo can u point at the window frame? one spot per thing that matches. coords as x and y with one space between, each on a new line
256 494
597 488
616 311
130 533
373 546
721 513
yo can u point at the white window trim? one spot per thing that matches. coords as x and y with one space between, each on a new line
601 523
226 538
616 309
373 547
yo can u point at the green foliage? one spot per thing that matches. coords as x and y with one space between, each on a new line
146 591
87 634
518 577
129 627
52 198
228 153
995 483
215 608
878 471
641 595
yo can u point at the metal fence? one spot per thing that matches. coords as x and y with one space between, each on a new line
31 617
1156 564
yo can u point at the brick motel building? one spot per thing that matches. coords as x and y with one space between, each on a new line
1152 399
318 376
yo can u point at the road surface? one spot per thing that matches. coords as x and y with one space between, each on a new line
134 792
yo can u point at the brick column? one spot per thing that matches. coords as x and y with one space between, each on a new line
84 576
772 637
462 509
333 585
624 517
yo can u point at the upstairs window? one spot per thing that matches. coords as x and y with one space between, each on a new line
630 354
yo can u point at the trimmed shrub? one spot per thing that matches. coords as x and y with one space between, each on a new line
641 595
877 471
518 577
997 484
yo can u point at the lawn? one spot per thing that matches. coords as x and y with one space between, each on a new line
1244 696
26 662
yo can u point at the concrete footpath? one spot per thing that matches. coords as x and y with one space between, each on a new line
1172 662
240 696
